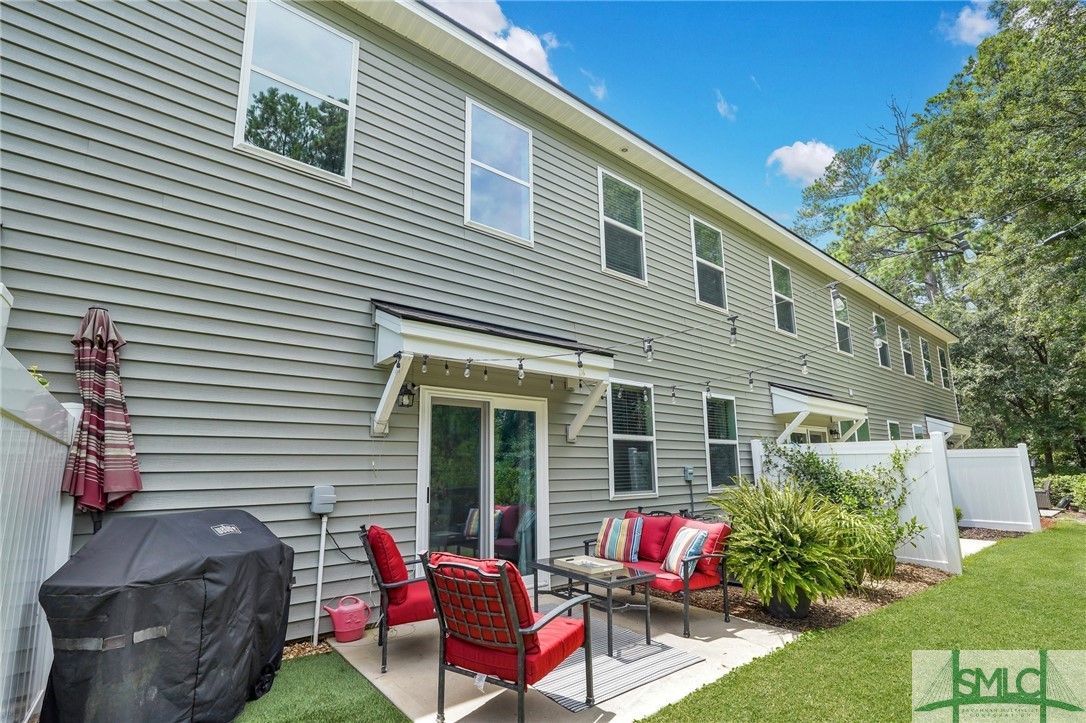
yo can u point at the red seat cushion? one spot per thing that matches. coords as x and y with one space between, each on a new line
387 558
654 529
417 605
557 641
717 534
522 603
669 582
674 524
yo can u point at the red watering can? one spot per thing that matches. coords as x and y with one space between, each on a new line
349 618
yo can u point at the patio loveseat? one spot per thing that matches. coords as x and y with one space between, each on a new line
704 569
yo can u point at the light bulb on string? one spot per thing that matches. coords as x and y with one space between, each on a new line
425 362
520 371
467 369
750 380
580 364
970 305
647 345
708 391
619 394
838 302
552 383
733 335
644 394
486 374
673 399
446 367
876 338
803 364
399 359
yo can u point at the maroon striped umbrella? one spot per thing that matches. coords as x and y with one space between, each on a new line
102 470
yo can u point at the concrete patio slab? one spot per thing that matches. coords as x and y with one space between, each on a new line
970 547
411 680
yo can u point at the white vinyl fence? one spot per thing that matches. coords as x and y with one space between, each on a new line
994 488
35 530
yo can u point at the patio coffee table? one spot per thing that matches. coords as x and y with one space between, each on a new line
627 577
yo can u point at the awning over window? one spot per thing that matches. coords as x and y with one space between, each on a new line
413 332
956 433
795 406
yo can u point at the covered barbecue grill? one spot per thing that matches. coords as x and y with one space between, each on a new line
168 618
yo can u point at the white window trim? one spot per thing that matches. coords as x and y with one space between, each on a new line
923 432
469 161
600 171
925 361
805 430
773 295
697 260
944 370
885 342
709 441
901 340
890 436
848 324
611 444
856 437
240 143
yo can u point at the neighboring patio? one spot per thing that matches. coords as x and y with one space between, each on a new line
411 681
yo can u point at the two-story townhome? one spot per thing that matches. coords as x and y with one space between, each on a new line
353 244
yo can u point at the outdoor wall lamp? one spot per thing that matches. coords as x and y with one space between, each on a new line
406 397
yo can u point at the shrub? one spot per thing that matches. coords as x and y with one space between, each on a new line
787 542
870 500
958 514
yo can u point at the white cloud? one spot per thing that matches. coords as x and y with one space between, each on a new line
756 83
724 108
596 86
486 18
801 163
971 26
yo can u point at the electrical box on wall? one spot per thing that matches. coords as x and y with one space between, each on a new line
688 474
324 499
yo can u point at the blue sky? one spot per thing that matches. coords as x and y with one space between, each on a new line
754 95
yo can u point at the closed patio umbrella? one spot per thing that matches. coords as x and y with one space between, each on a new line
102 471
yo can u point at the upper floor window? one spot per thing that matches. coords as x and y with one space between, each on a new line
944 367
709 279
633 440
882 347
499 173
297 91
622 227
784 311
925 357
842 325
893 429
722 441
906 350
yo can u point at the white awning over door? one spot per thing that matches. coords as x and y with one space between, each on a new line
798 406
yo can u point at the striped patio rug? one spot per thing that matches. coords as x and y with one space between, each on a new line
634 665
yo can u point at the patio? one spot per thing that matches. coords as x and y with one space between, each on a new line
410 682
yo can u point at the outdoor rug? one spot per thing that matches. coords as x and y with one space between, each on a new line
634 665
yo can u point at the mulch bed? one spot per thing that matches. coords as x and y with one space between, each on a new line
300 650
982 533
907 580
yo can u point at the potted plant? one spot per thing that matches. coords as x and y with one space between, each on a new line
786 546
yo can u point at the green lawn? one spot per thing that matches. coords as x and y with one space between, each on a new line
321 689
1022 594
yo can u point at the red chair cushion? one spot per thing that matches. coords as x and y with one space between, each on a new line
522 603
388 561
557 641
510 520
675 524
654 529
717 534
417 605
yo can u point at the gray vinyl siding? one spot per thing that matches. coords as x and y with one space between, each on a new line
244 288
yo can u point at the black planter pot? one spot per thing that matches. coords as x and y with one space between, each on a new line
780 610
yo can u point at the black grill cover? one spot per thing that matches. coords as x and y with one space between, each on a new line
168 618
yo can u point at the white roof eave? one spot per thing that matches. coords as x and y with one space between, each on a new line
445 39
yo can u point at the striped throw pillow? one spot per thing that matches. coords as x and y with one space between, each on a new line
618 539
688 541
471 525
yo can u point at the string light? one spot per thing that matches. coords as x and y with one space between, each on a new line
580 364
580 385
803 364
467 368
446 367
733 335
486 373
644 394
520 371
750 380
399 356
673 399
970 306
875 336
552 383
646 343
968 254
838 302
425 362
619 394
708 390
